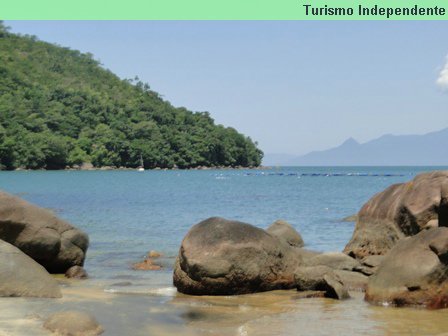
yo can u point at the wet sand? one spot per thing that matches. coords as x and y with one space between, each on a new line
139 310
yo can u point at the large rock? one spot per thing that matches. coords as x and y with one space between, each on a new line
73 323
222 257
22 276
50 241
284 231
414 272
401 210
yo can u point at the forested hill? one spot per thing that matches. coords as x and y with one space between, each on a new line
59 108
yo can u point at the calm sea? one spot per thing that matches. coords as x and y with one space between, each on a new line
128 213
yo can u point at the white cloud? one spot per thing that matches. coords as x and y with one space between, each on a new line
442 81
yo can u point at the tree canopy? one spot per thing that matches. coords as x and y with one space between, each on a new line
59 107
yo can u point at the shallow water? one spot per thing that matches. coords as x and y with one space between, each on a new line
128 213
271 313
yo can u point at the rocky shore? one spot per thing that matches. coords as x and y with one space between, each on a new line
398 253
90 167
33 244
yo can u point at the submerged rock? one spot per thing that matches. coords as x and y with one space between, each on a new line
52 242
223 257
285 232
22 276
73 323
154 254
146 265
399 211
414 272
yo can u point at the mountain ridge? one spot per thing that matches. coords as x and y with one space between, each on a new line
428 149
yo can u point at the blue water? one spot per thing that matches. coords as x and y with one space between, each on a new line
128 213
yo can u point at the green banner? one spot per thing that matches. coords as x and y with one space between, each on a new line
223 10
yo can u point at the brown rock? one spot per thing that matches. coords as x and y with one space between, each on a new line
222 257
334 260
372 261
399 211
414 272
320 278
146 265
52 242
22 276
309 295
285 232
353 281
154 254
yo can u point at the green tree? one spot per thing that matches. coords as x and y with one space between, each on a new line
59 107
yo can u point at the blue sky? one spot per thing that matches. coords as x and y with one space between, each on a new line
292 86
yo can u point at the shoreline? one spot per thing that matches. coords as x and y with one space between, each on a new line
107 168
154 312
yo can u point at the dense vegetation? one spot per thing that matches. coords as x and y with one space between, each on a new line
59 108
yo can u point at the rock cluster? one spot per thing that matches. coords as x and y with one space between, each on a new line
223 257
34 242
148 264
400 211
398 253
52 242
414 272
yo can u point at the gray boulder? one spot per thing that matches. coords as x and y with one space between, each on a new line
353 281
338 261
400 211
73 323
372 261
223 257
22 276
52 242
285 232
334 260
320 278
414 272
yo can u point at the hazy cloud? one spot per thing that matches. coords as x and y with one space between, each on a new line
442 81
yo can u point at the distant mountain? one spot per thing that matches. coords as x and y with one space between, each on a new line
388 150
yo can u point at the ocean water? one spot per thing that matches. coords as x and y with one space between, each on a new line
128 213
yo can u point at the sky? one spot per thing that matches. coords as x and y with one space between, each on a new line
293 86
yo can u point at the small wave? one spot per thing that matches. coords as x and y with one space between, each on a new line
164 291
242 331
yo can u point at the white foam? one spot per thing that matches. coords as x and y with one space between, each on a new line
164 291
242 331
